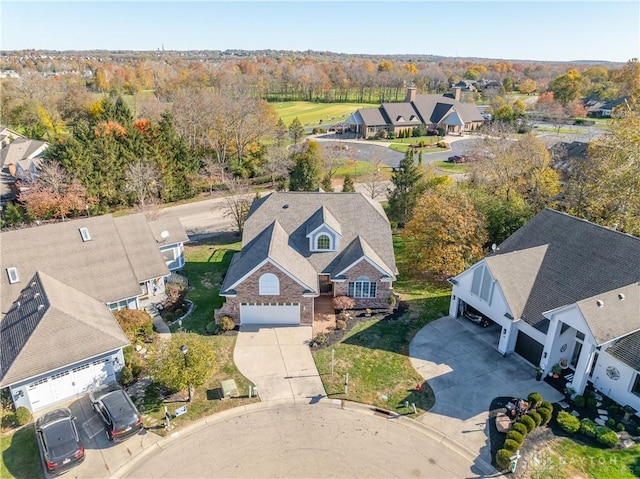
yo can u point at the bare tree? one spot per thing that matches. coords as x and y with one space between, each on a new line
278 162
374 183
238 201
211 171
143 180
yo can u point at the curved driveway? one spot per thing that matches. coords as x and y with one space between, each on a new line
315 441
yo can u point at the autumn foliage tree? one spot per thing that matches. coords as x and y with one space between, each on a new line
446 233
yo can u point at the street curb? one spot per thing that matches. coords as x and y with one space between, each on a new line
212 419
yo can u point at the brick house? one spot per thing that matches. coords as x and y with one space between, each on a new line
298 246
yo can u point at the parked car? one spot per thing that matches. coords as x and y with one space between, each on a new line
118 413
477 318
457 159
58 440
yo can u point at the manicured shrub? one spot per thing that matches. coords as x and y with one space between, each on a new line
515 436
23 416
511 445
611 423
168 316
620 427
589 394
227 323
535 399
588 427
607 437
568 422
545 414
136 323
546 405
591 403
528 422
503 458
213 328
521 428
126 376
179 312
579 401
536 417
391 300
613 410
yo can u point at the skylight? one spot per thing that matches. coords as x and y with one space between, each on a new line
13 275
84 232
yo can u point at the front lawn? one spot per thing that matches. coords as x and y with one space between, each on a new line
569 459
20 456
375 352
451 168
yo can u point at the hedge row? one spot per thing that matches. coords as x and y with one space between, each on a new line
571 424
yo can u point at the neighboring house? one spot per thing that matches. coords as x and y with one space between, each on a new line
443 113
601 108
171 236
298 246
20 159
58 284
563 288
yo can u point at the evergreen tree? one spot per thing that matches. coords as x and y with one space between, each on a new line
296 130
281 132
408 186
307 165
347 185
420 158
326 183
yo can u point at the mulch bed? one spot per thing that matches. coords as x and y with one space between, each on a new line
337 335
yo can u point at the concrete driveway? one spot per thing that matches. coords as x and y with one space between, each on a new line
466 372
278 361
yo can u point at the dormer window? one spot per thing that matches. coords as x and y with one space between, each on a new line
13 275
323 243
84 232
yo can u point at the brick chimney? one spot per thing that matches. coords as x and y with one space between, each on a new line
457 91
411 94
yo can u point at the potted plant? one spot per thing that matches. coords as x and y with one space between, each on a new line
367 312
556 370
569 392
538 373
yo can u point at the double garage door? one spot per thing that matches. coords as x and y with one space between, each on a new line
71 382
270 313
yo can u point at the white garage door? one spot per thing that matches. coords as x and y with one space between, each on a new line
69 383
270 313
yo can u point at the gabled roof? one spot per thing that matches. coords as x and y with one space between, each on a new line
21 149
53 325
278 224
433 108
605 313
355 252
372 116
627 350
582 260
320 217
121 252
270 245
516 283
401 114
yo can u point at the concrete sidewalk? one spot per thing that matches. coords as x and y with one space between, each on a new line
278 361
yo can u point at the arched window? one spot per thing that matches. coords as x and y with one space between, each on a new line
323 242
269 285
362 287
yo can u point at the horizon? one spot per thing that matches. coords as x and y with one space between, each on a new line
487 30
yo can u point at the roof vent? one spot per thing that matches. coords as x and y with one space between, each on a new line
13 275
284 207
37 295
621 296
600 303
18 304
40 307
33 284
84 232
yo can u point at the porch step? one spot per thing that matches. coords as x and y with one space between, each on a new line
569 377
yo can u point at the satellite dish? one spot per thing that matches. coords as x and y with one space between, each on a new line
164 234
494 247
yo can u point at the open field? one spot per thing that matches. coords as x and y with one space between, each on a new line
310 113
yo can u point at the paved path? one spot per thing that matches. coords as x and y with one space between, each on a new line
326 439
466 372
277 359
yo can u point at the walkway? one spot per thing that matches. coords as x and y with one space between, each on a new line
277 359
466 374
324 318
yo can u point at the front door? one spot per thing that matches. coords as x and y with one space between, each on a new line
326 286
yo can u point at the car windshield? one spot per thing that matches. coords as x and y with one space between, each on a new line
60 440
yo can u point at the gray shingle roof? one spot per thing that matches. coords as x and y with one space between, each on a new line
627 350
20 149
52 326
604 312
292 211
372 116
582 260
107 268
401 114
323 216
357 249
171 225
434 107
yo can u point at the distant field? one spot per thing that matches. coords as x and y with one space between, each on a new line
310 113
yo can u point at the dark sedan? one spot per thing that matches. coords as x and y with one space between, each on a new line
58 441
118 413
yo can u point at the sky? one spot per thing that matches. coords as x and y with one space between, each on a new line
545 30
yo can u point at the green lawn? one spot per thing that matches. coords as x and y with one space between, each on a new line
310 113
20 456
375 353
567 459
402 147
356 171
451 168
